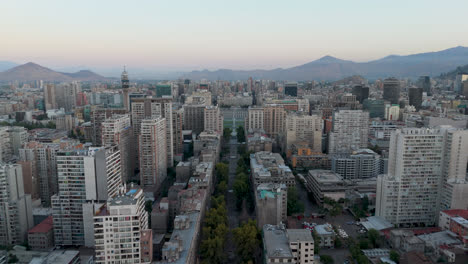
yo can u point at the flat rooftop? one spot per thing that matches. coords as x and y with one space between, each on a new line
275 242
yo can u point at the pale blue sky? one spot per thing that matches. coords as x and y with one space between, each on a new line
183 35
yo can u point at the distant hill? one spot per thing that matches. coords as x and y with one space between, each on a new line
32 72
329 68
453 74
356 79
5 65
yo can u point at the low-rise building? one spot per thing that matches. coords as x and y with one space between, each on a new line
41 237
326 234
257 142
287 245
325 183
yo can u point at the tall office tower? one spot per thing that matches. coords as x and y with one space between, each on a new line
117 130
415 97
350 131
250 85
88 177
49 97
271 204
363 163
124 220
164 90
361 93
5 145
303 128
290 89
177 127
125 86
66 95
98 116
152 152
459 80
425 84
426 173
143 108
15 206
255 118
213 119
274 120
391 90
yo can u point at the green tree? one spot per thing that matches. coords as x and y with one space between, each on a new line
365 203
240 134
336 210
247 240
227 133
374 237
394 256
338 243
326 259
222 188
294 206
241 189
316 242
222 172
364 244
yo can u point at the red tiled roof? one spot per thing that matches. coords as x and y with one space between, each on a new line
43 227
457 212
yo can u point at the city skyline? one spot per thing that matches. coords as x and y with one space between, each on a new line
165 37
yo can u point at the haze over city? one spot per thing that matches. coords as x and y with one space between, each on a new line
193 35
233 132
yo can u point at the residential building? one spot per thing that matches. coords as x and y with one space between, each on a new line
41 236
152 152
363 163
15 206
271 204
49 97
426 174
117 130
350 131
267 167
303 128
87 178
98 116
326 235
121 229
151 108
213 120
287 245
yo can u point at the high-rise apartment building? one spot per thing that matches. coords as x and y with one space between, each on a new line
177 127
66 95
213 119
43 156
121 230
271 204
49 97
143 108
5 145
426 173
152 152
274 120
415 97
117 130
350 131
391 90
303 128
255 119
194 117
87 178
98 116
15 206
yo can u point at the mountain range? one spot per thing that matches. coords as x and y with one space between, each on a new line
329 68
32 72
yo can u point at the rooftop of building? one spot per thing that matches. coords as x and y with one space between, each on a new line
57 257
325 176
325 229
276 242
440 238
299 235
270 190
43 227
376 222
457 212
184 235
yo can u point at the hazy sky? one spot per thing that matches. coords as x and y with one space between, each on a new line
197 34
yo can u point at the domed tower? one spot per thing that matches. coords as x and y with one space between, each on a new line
125 86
